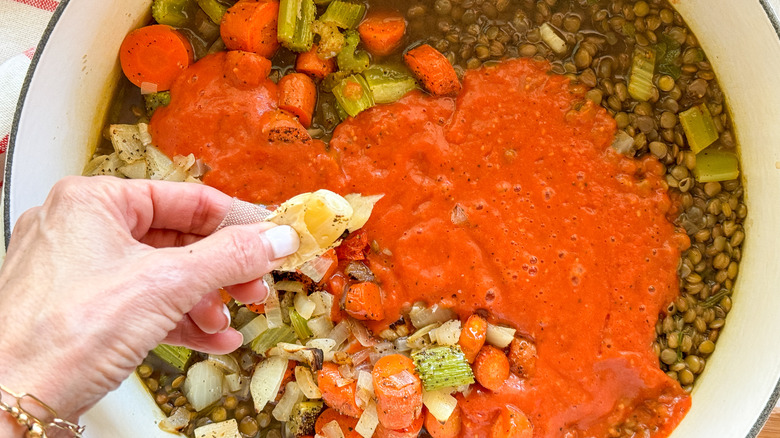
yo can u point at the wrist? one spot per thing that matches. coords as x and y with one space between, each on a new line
24 415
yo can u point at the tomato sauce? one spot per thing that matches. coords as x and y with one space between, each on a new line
508 198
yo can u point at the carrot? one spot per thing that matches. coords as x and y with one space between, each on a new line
491 367
522 357
435 72
334 265
340 398
512 423
257 308
155 55
298 95
286 378
281 126
397 406
449 429
407 432
246 69
472 336
352 247
347 423
224 296
311 64
337 284
364 301
251 26
382 32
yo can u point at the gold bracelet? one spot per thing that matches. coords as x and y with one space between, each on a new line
36 428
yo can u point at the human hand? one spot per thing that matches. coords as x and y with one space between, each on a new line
107 269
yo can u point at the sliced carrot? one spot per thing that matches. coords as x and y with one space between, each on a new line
334 264
251 26
340 398
257 308
286 378
382 32
364 301
353 246
246 69
281 126
347 423
155 55
472 336
298 95
397 406
491 367
522 357
407 432
224 296
435 72
512 423
448 429
337 284
311 64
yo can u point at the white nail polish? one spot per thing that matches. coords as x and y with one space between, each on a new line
226 312
268 289
283 241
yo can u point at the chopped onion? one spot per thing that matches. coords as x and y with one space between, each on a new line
144 135
552 39
148 88
347 372
323 302
402 379
368 421
447 334
266 380
199 168
332 430
361 333
178 420
499 336
159 163
360 356
104 165
224 362
365 382
253 329
401 344
232 383
458 215
224 429
440 403
324 344
203 385
340 333
422 316
127 143
361 209
316 268
273 310
304 305
305 379
292 395
321 326
359 271
135 170
289 286
381 350
623 143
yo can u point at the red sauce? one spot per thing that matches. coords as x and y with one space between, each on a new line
556 234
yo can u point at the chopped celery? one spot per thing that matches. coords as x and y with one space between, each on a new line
156 100
345 14
173 12
640 83
350 59
269 338
388 85
295 24
299 325
699 127
214 9
442 366
175 356
353 95
303 416
716 166
667 53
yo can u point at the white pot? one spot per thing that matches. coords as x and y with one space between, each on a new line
65 98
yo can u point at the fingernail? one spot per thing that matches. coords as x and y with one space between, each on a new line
267 291
226 312
283 241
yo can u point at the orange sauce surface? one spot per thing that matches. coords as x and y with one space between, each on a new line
508 198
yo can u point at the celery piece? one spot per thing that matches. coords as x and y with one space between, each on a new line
349 59
640 83
388 85
177 357
296 18
173 12
699 127
214 9
156 100
269 338
716 166
440 367
303 417
353 95
299 325
345 14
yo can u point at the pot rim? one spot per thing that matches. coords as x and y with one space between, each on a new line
772 15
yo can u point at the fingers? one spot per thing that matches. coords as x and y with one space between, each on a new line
189 208
251 292
188 334
157 238
210 314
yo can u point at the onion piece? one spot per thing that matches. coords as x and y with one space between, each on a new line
304 305
623 143
253 329
552 39
127 143
368 421
224 429
135 170
224 362
159 163
266 380
289 286
422 316
178 420
361 333
402 379
332 430
440 403
340 333
292 395
360 356
347 372
499 336
273 310
321 327
324 344
323 302
401 344
458 215
447 333
316 268
232 383
361 209
365 389
103 165
203 385
305 379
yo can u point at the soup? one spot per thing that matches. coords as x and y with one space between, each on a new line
505 208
